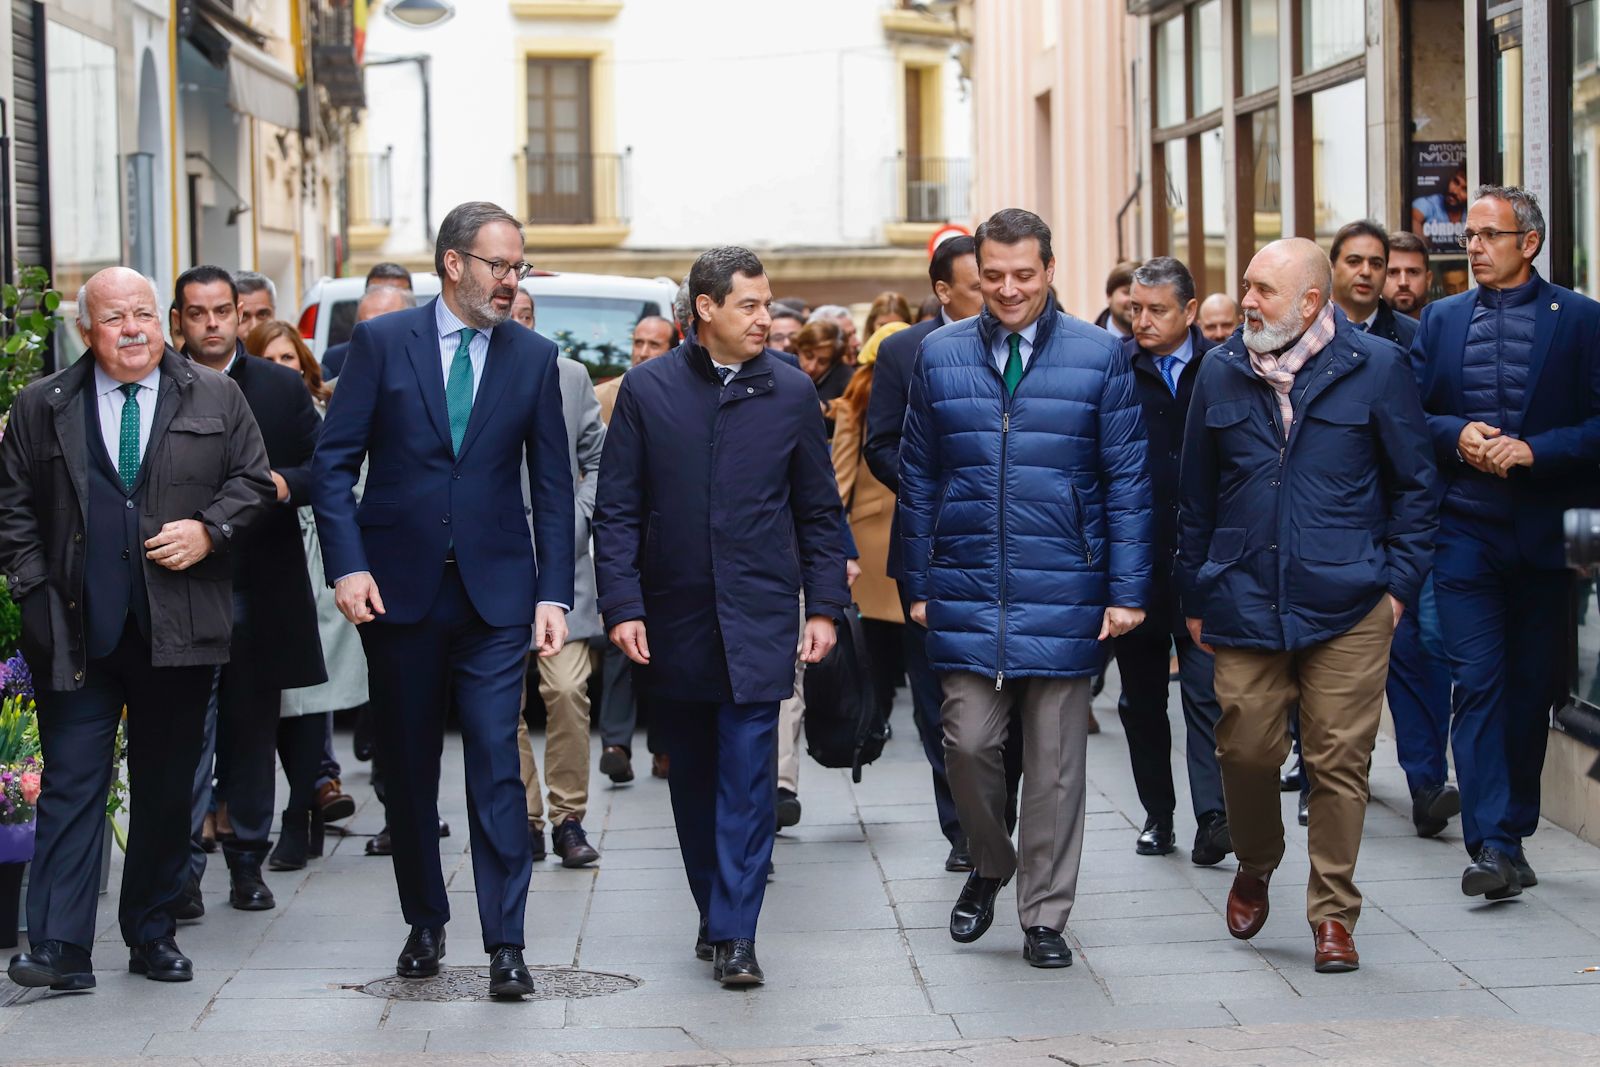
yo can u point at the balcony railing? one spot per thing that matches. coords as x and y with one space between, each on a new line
931 189
370 184
566 189
337 68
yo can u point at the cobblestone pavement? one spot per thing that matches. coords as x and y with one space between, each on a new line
857 957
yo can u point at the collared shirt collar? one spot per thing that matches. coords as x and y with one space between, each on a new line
104 383
446 322
1184 352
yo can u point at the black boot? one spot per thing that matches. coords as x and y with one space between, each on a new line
319 830
247 891
294 842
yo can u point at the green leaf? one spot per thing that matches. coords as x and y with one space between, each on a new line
9 295
52 300
14 343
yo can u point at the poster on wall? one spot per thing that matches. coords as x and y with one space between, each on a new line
1439 193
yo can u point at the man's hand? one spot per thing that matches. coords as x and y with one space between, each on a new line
819 638
180 544
1475 436
1503 453
919 613
852 571
1399 609
629 636
357 597
1196 627
549 629
283 486
1119 621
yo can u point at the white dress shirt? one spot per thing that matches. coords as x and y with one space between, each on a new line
450 329
111 398
1002 345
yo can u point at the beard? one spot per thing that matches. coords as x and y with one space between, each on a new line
1262 337
477 301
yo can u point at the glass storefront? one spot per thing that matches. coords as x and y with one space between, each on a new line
1338 157
85 164
1585 108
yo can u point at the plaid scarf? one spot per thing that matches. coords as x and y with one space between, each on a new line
1279 371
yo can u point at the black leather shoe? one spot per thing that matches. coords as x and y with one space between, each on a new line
444 828
423 950
1490 876
960 858
616 764
160 961
788 807
1212 842
974 909
1525 876
53 965
1291 779
1303 815
572 844
735 963
379 844
1156 839
247 891
190 906
1432 809
536 838
1044 947
508 975
703 948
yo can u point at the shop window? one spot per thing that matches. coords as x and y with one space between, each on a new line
1585 205
1331 31
1176 216
85 164
1170 104
1207 57
1338 157
1210 275
1505 145
1258 44
1266 178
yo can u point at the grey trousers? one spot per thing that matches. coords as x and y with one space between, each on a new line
1055 731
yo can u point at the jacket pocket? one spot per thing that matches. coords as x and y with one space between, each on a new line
1341 412
195 449
1080 522
1334 545
1227 545
377 513
1227 413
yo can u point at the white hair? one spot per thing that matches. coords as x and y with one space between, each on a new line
249 281
83 299
829 313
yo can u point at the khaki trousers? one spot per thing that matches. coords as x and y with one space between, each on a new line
1339 686
1055 734
563 683
791 719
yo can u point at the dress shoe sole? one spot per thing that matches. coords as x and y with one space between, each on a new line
141 967
617 768
1488 885
1512 890
580 859
512 989
1430 827
740 978
958 865
252 905
1155 850
43 978
1337 966
340 808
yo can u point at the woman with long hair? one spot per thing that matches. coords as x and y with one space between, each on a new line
869 508
820 348
305 718
887 307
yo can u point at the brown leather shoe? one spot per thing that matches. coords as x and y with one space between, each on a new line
335 803
1094 724
1336 949
660 765
1247 905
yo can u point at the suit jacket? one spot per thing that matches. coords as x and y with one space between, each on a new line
423 501
606 394
886 418
271 571
333 359
1560 415
586 435
204 460
1393 326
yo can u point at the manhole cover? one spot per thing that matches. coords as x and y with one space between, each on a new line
471 983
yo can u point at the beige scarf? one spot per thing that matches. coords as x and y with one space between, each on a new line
1279 371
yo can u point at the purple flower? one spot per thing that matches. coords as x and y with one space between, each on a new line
15 678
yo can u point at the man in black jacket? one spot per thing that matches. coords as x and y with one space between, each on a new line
275 618
1166 351
125 482
954 273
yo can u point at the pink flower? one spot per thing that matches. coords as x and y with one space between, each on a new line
30 787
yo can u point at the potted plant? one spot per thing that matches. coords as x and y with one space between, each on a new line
20 769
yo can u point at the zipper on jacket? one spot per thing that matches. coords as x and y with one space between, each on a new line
1000 651
1081 514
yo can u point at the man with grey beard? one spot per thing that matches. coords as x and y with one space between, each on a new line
1305 528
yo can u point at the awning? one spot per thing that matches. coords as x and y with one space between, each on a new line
259 85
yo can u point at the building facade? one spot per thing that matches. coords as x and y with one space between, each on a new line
834 136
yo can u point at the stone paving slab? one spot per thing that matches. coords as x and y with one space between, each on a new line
860 966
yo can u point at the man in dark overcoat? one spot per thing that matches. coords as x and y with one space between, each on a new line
717 510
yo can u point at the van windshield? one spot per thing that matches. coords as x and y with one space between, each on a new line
596 331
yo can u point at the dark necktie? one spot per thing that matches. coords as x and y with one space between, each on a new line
458 389
725 373
128 444
1013 371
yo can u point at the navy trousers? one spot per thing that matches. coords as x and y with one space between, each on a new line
723 781
166 714
1504 626
1142 663
416 671
1419 693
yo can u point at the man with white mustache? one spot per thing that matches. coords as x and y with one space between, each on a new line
126 481
1305 524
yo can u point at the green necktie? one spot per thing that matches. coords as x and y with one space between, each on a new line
458 389
1013 373
128 445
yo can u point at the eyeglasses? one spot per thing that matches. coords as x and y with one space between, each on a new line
499 268
1488 236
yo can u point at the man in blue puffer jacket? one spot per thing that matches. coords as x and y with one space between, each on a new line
1025 511
1305 524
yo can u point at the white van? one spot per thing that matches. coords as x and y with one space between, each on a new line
590 316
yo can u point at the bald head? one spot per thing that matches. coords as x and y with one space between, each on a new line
120 322
1287 285
383 299
1218 317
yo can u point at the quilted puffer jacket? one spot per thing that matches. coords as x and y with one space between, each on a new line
1024 517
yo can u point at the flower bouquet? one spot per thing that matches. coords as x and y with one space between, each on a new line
20 762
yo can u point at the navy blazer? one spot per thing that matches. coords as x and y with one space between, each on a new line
886 418
421 499
1560 415
333 359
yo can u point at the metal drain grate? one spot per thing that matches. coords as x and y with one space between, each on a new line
471 983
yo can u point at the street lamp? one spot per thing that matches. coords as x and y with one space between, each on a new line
420 13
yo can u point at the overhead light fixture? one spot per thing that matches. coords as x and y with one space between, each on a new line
420 14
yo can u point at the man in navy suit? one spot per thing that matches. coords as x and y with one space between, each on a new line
437 568
1511 385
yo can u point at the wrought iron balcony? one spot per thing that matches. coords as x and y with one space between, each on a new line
573 189
369 186
337 67
931 189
